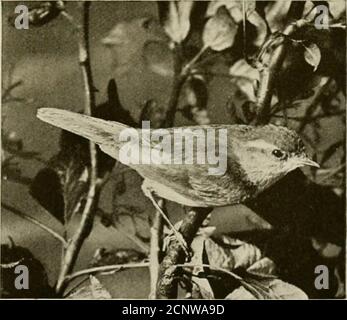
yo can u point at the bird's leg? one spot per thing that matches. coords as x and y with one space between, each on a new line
149 194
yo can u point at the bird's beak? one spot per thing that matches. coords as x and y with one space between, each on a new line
306 161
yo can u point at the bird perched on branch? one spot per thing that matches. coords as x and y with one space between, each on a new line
256 157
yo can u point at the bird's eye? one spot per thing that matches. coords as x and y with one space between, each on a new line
278 153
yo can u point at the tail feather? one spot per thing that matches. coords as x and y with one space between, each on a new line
99 131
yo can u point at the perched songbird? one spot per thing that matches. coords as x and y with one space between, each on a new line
256 157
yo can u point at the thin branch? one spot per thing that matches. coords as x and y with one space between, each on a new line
115 267
87 219
7 92
155 249
178 82
34 221
186 69
132 237
205 265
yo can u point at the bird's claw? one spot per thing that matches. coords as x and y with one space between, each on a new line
148 192
182 242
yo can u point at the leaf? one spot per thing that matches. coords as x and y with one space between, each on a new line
235 8
326 249
177 22
219 31
276 14
198 247
240 10
244 76
283 290
61 187
246 255
312 55
264 268
154 113
127 39
38 287
337 8
268 289
95 290
46 188
240 294
255 19
158 58
196 97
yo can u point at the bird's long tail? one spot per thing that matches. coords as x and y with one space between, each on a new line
97 130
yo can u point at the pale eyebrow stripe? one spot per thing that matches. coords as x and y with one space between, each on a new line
260 143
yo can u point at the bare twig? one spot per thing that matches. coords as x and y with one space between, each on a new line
87 219
7 92
115 267
34 221
155 249
178 82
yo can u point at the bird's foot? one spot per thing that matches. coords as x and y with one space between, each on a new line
148 192
182 242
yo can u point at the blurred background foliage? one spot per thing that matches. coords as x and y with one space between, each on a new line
133 42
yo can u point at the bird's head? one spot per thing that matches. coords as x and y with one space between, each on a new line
268 153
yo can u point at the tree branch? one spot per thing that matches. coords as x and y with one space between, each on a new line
114 267
167 284
155 249
87 219
178 82
269 75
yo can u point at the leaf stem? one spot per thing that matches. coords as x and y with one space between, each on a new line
86 223
115 267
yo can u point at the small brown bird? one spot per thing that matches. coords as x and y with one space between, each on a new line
256 157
